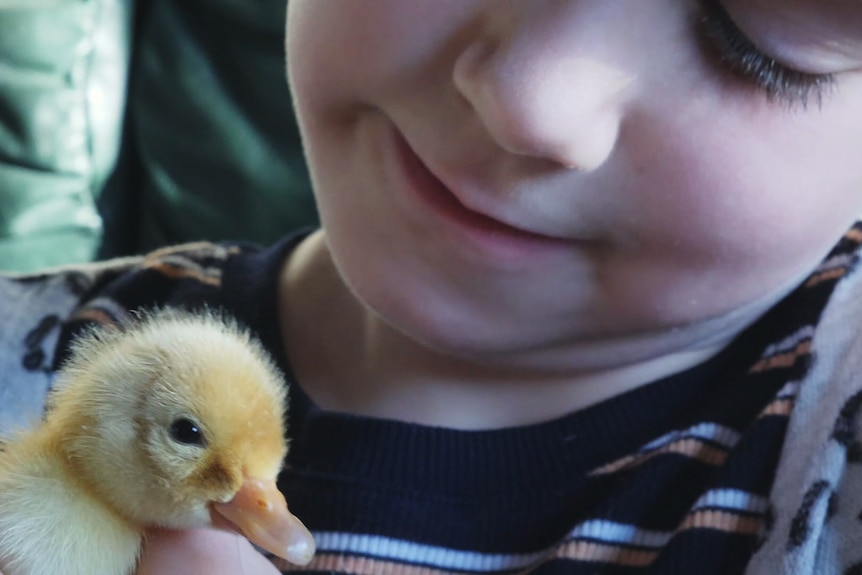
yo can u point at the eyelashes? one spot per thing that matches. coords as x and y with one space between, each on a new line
743 58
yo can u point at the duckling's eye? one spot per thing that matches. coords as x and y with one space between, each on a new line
187 431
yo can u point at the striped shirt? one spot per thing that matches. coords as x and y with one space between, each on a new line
672 477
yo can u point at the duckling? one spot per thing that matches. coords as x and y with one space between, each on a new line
175 420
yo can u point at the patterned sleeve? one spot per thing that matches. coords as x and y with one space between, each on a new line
41 313
33 308
815 522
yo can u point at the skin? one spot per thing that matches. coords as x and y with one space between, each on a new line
682 200
686 201
202 551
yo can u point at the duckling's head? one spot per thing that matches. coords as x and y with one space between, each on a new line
177 420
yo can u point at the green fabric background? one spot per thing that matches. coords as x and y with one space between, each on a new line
124 127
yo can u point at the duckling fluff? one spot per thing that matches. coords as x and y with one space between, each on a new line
176 420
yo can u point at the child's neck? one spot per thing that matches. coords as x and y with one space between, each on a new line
347 359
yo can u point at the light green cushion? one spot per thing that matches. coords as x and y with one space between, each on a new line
62 83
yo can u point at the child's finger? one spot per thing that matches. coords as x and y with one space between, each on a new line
201 552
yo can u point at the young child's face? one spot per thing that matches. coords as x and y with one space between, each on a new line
507 175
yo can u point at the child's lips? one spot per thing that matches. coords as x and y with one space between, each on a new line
447 202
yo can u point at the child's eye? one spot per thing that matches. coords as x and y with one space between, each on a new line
744 58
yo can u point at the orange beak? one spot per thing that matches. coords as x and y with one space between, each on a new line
259 512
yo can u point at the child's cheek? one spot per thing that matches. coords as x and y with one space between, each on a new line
750 179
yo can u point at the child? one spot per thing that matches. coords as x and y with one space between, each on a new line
584 299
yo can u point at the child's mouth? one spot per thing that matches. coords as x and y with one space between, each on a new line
446 203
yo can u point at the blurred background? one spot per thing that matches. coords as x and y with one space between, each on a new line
126 125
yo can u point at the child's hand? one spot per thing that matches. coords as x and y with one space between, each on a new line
201 551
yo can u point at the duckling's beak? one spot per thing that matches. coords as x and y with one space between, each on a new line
259 512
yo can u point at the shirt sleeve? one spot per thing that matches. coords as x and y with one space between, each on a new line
43 313
34 308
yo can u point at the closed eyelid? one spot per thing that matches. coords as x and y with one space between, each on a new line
717 16
742 56
813 36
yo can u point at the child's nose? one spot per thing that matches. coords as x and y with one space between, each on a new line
541 99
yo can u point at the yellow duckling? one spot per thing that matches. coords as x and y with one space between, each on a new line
177 421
